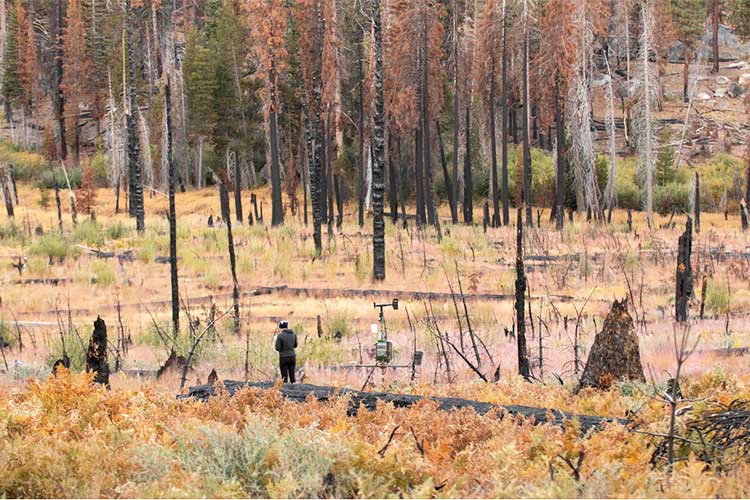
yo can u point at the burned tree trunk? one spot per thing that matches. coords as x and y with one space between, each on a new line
468 186
697 204
394 159
172 215
59 206
446 175
418 176
523 357
684 275
378 237
237 191
135 184
96 356
615 354
743 215
224 198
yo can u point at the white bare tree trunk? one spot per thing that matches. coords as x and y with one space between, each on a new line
610 194
645 101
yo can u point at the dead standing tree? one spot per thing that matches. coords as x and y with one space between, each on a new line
224 198
523 357
172 215
684 274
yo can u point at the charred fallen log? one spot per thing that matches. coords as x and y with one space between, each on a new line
369 400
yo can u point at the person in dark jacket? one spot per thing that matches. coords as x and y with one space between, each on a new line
286 343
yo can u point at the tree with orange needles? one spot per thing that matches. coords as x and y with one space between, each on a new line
267 20
77 69
415 37
556 71
490 40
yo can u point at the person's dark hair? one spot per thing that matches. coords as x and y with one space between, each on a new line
283 324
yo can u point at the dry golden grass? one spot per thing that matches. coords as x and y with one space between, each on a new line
267 256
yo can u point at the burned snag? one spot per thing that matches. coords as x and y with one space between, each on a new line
684 274
96 356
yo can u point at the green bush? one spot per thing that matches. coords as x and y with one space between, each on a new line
28 165
73 346
103 273
723 173
100 166
672 196
628 195
341 322
717 296
52 176
51 245
89 233
10 231
117 230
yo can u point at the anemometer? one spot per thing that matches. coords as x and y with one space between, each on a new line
383 346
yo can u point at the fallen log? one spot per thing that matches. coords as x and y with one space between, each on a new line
300 392
39 281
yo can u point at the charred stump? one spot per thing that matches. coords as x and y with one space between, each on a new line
684 274
615 354
63 362
96 356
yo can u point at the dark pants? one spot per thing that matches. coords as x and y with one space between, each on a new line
287 366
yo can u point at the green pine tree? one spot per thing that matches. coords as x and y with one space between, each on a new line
11 77
689 21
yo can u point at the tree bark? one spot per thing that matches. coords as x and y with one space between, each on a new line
715 18
237 191
277 213
224 199
684 274
493 148
523 358
560 174
378 233
418 177
468 186
393 179
174 282
526 104
697 204
446 175
315 193
7 196
427 147
361 144
134 148
686 77
59 96
456 118
59 206
504 108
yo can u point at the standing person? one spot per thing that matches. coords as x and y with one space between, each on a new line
286 343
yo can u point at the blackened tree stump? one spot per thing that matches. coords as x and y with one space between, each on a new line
96 356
